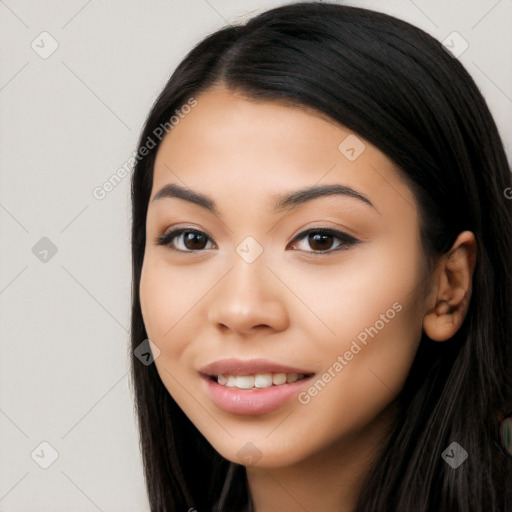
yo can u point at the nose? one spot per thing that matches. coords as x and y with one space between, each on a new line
249 298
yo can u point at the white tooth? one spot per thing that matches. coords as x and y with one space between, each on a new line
263 380
279 378
245 381
292 377
231 382
222 379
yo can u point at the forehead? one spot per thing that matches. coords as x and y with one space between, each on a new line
231 146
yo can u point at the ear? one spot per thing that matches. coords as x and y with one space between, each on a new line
448 301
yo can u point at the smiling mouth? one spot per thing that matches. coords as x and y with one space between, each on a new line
258 380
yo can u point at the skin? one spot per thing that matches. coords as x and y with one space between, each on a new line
292 305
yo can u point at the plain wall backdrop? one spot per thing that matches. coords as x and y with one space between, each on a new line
77 79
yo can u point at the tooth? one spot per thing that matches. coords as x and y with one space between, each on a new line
260 380
279 378
263 380
245 381
231 382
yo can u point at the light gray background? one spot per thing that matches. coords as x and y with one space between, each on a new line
67 123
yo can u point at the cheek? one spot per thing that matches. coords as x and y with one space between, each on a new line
361 293
166 300
153 299
166 296
172 301
359 381
370 305
373 309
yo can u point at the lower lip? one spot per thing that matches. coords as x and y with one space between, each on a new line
252 401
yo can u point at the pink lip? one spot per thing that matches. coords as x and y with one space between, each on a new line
233 366
250 401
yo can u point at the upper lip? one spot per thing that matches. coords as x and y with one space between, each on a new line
233 366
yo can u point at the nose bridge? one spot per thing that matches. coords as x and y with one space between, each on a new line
248 295
247 282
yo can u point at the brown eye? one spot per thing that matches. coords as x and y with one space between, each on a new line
194 241
323 240
185 240
320 241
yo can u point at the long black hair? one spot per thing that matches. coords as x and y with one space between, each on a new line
398 88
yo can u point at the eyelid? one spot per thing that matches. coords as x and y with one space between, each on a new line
173 233
347 240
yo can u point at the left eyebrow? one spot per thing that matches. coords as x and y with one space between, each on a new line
289 200
293 199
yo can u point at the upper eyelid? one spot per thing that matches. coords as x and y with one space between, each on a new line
161 239
341 235
336 233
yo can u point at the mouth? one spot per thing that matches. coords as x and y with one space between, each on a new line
252 387
258 380
252 373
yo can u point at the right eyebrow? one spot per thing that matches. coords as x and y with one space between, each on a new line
173 190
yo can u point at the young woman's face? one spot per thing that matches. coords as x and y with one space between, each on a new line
262 289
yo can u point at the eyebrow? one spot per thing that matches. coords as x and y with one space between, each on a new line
281 201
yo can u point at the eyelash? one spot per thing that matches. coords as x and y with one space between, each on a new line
346 240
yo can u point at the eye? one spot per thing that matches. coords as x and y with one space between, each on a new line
321 240
193 240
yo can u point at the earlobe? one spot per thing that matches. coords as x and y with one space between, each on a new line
452 288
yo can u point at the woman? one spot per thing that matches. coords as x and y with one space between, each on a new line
320 247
